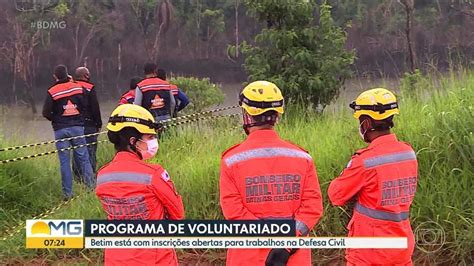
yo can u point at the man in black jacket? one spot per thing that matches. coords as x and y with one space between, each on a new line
65 107
92 119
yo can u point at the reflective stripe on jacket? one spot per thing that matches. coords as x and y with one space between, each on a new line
67 104
156 96
383 178
130 189
268 178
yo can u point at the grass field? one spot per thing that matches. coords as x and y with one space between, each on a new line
437 119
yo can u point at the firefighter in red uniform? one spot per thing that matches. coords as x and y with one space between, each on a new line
381 178
155 94
131 189
266 177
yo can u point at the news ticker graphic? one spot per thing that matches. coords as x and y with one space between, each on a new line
247 242
184 234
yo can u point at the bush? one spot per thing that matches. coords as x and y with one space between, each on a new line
201 92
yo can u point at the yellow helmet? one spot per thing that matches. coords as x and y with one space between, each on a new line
130 115
377 103
261 96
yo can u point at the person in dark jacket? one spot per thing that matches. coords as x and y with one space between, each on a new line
154 94
65 107
180 97
92 118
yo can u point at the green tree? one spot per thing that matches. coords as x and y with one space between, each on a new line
307 60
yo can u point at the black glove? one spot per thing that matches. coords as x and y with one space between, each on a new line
278 257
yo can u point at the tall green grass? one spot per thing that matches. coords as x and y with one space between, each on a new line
438 122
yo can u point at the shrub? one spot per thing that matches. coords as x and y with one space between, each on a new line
201 92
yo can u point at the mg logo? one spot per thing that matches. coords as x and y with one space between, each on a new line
55 228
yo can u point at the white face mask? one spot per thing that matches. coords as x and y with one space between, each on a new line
152 148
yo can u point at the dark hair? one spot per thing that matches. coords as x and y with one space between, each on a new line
134 82
161 74
150 68
379 125
60 71
121 139
267 118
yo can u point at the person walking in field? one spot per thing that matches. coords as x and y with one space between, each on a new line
131 189
65 107
265 177
382 178
92 117
154 94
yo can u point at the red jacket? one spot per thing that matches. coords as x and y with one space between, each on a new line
383 179
268 178
130 189
127 97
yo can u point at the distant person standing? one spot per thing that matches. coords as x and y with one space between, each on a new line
180 97
129 95
64 107
154 94
92 118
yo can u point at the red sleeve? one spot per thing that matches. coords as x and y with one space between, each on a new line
169 197
311 208
230 198
348 184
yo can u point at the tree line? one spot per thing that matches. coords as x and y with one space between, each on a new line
192 37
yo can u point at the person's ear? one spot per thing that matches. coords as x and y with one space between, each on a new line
55 78
132 141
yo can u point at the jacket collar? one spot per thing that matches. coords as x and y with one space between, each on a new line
86 81
263 134
61 81
383 139
126 156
